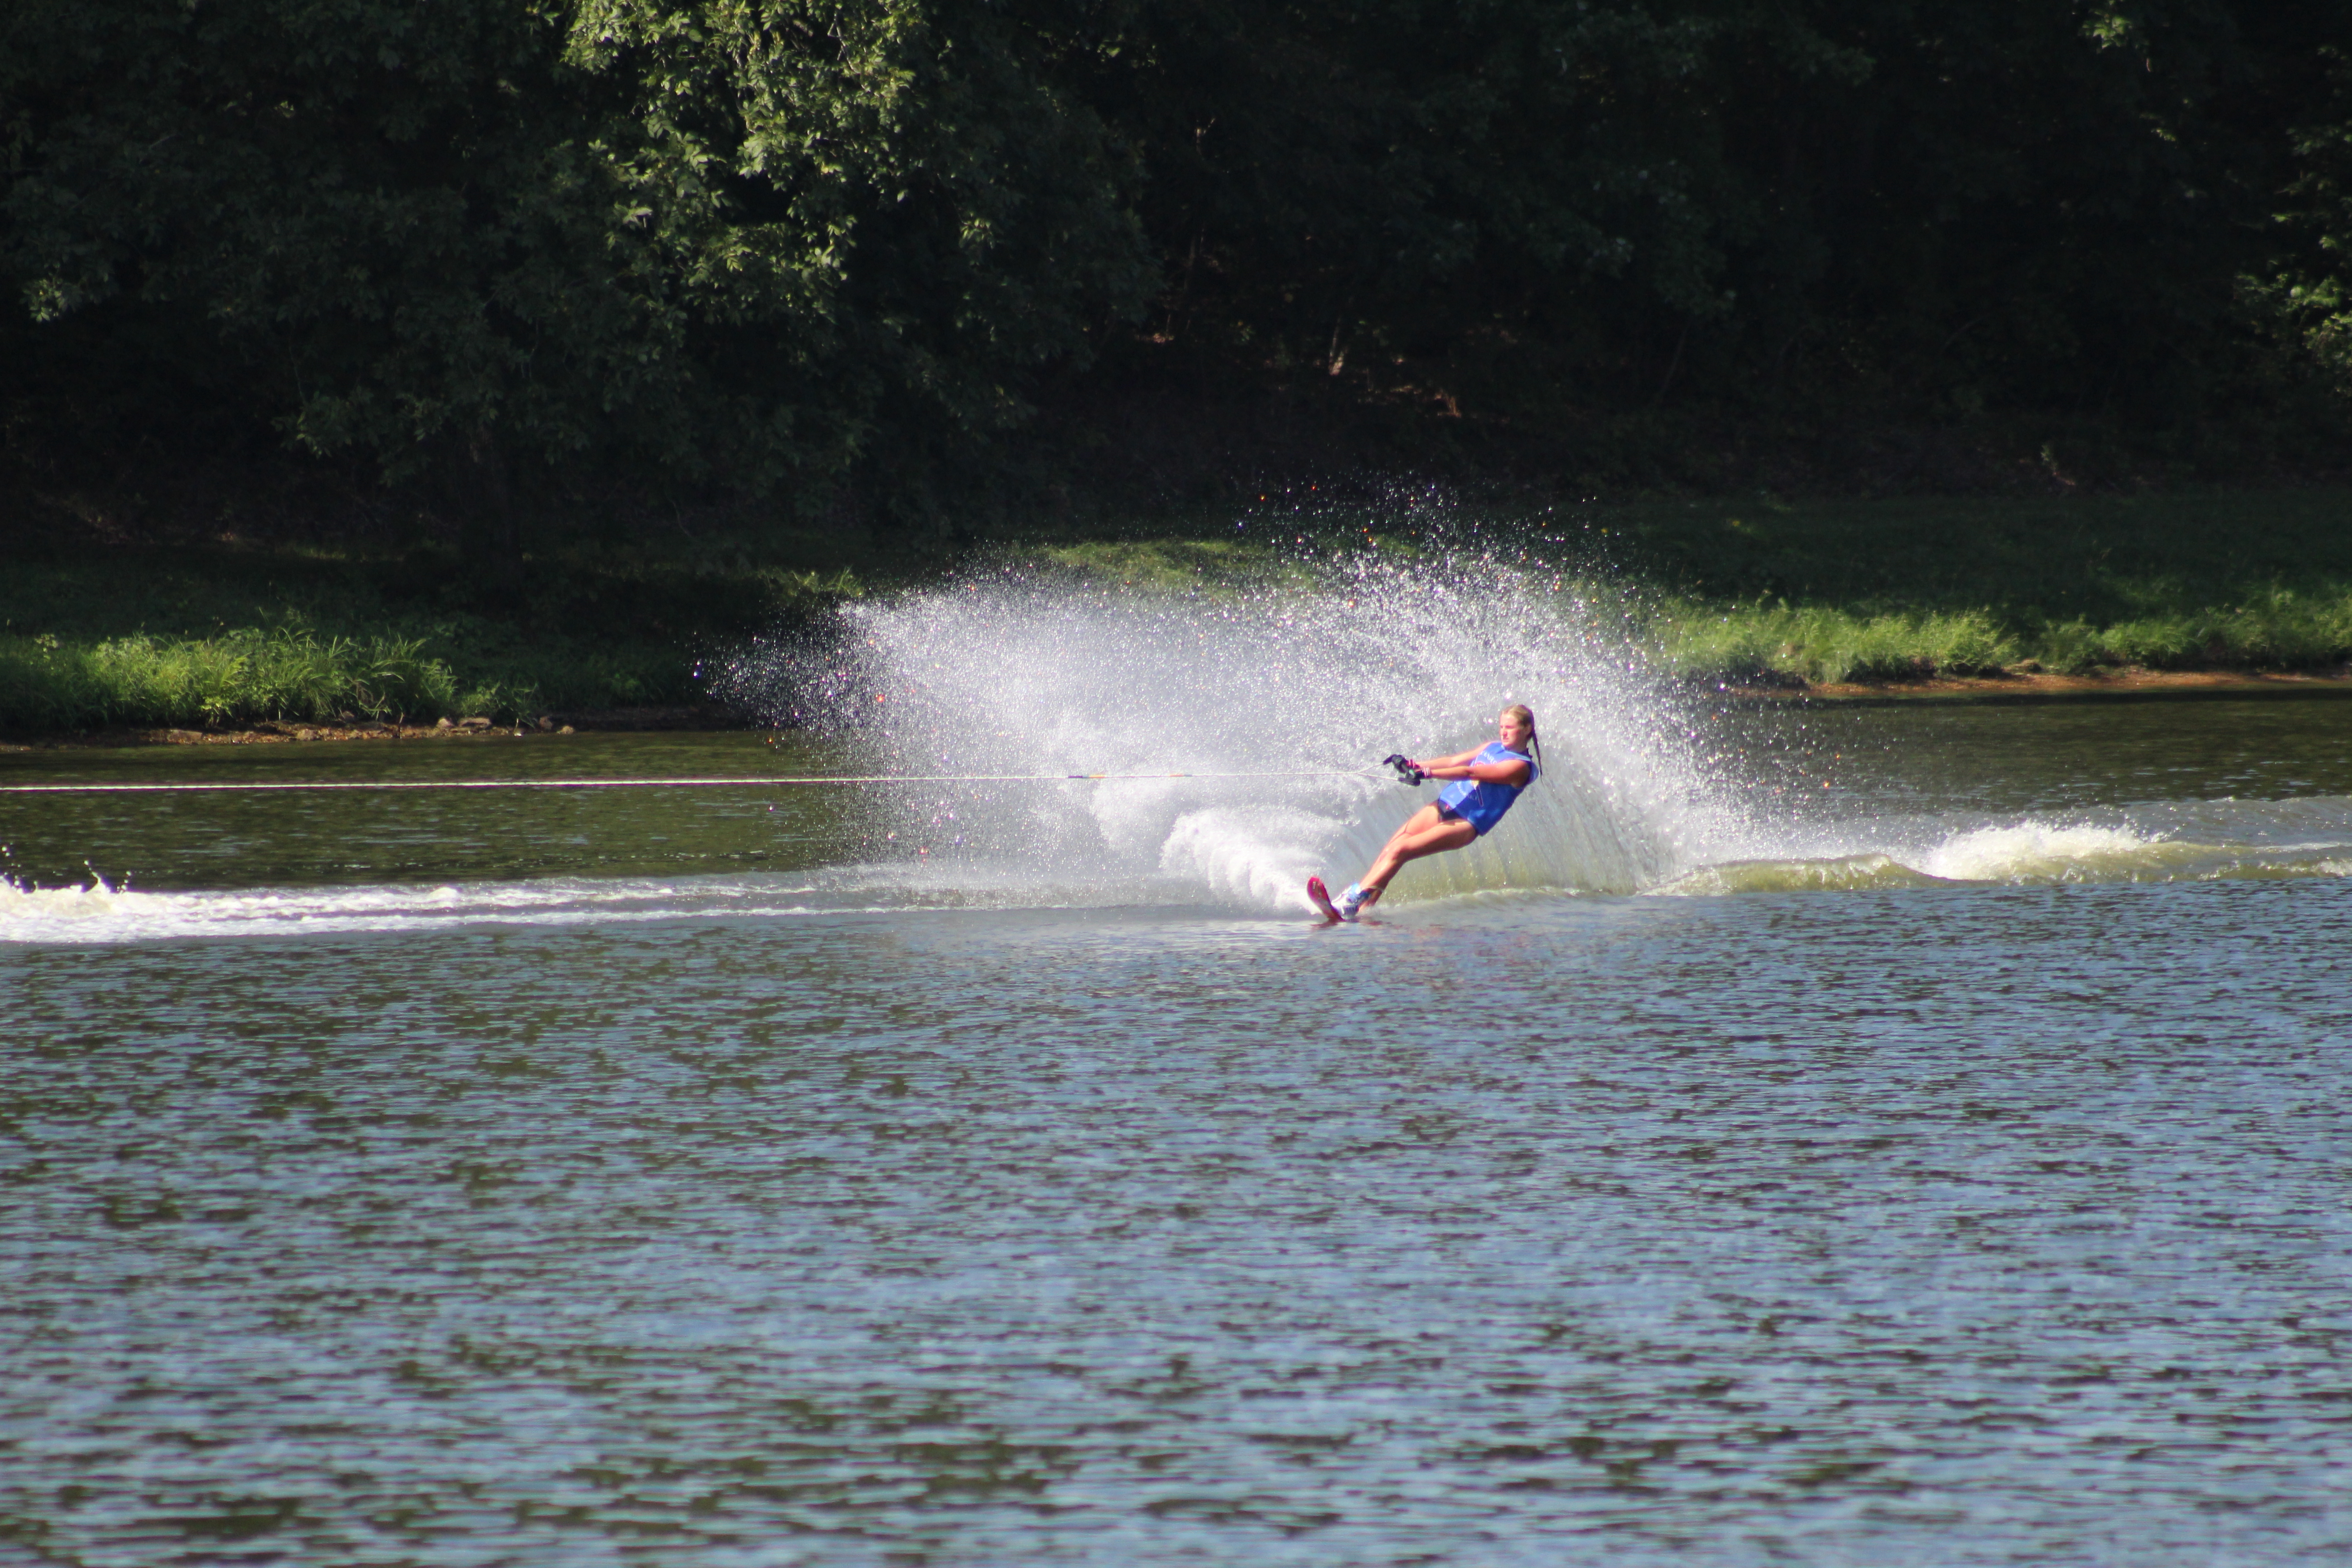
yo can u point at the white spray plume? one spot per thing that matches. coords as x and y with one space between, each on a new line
1011 672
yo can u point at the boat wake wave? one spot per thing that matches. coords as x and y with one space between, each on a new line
2024 854
1213 861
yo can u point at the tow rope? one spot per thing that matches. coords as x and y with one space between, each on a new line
673 784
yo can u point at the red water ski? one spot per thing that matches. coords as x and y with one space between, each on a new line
1320 897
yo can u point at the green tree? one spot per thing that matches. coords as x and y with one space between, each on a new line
1940 206
2311 290
770 243
708 235
1400 175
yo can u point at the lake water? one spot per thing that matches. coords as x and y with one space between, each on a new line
1908 1134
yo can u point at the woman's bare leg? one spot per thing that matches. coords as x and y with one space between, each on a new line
1424 833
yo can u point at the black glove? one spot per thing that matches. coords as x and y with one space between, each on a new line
1406 773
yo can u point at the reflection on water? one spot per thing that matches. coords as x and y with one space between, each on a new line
544 1180
290 840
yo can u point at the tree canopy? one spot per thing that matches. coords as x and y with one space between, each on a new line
756 242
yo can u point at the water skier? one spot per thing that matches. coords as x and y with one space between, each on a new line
1485 782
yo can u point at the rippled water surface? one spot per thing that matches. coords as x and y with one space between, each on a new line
1871 1136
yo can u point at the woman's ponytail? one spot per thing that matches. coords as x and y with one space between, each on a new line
1526 715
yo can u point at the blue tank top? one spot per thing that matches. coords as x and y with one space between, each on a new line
1482 804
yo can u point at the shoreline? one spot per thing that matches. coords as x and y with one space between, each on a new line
1745 599
2030 684
2016 685
608 720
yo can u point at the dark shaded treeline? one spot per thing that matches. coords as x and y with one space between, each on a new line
490 252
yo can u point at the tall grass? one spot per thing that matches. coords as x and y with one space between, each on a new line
193 637
1844 590
247 676
240 677
1855 603
2276 629
1818 644
1892 591
1744 590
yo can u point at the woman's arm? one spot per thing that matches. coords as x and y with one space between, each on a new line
1460 766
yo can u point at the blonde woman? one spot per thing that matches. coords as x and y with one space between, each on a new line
1485 782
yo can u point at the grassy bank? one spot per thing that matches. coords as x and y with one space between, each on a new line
2279 629
221 638
1888 590
1755 590
1759 589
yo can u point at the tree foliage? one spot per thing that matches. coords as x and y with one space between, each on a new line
2312 289
757 241
722 234
2002 199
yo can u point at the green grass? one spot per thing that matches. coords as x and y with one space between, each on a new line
1827 591
1168 566
228 637
2260 630
1815 643
1740 590
247 674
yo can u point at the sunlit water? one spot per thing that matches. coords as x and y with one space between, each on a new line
1835 1135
